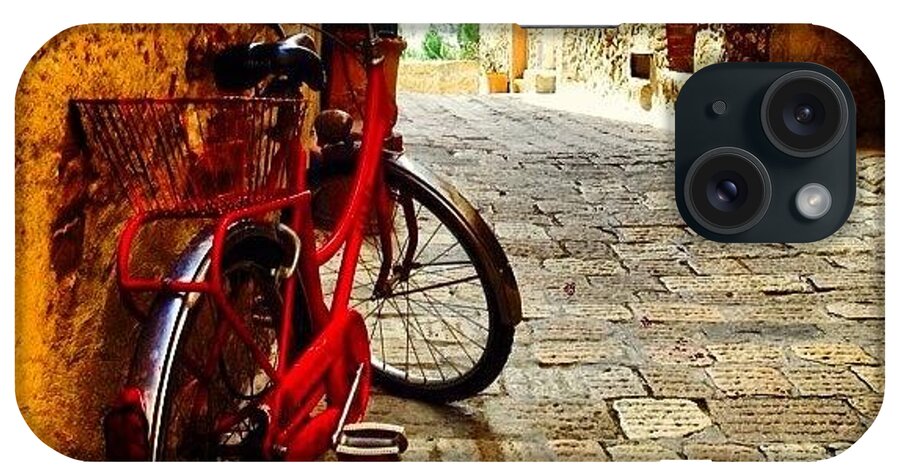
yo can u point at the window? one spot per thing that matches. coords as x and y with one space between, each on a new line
640 65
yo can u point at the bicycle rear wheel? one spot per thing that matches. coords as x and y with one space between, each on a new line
208 398
441 326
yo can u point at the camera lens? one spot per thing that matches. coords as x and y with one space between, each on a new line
804 113
727 190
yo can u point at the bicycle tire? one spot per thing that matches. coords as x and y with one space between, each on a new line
256 245
495 276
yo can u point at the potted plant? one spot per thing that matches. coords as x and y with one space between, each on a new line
494 80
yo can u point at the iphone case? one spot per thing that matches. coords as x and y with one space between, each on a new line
639 340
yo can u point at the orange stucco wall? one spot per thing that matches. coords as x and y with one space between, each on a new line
73 339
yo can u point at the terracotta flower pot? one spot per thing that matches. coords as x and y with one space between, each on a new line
495 83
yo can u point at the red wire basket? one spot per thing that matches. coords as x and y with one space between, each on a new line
207 156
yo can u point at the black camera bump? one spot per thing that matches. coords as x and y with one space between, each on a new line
779 166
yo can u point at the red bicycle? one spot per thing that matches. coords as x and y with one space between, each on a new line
249 350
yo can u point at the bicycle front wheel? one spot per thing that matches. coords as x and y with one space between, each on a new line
440 321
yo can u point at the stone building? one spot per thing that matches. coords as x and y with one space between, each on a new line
635 71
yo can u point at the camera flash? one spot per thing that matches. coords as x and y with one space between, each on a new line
813 201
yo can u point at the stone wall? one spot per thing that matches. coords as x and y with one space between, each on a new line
606 68
709 47
444 77
493 50
73 337
598 61
544 47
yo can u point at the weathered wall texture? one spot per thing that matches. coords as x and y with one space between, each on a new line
493 50
598 60
606 68
73 339
544 47
444 77
709 47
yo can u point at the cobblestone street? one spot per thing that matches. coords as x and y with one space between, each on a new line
641 340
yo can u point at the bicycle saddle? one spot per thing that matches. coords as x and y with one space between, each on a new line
292 60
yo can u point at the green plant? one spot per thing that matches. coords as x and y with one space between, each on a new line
468 36
433 46
412 53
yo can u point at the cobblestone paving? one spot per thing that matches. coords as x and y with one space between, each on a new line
642 341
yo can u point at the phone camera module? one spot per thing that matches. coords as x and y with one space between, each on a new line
779 166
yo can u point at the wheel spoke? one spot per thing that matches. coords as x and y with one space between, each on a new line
409 343
439 273
446 263
433 322
452 334
439 256
451 328
432 287
434 302
444 357
428 241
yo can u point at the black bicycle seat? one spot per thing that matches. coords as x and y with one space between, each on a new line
292 60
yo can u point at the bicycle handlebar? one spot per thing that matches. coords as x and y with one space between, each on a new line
244 66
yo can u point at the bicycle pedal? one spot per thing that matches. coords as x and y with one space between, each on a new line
370 441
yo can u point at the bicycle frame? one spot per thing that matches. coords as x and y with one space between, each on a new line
335 365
